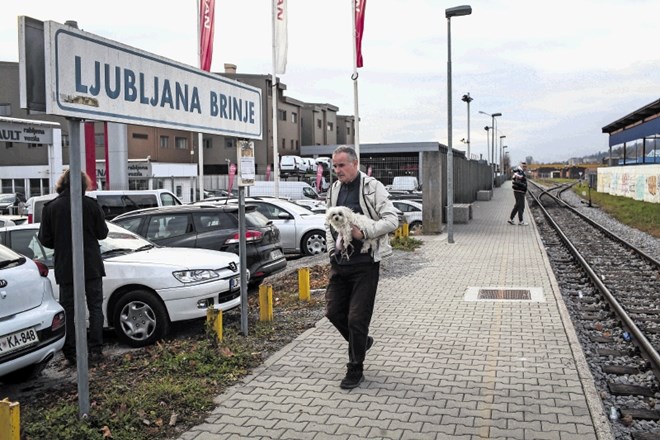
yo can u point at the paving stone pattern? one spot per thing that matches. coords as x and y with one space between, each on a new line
441 367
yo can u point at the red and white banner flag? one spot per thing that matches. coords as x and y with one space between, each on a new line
360 6
232 175
281 37
319 176
206 27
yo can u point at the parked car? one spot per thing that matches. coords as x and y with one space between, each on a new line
301 231
292 164
404 183
32 324
211 226
11 204
412 211
291 190
146 286
112 203
12 220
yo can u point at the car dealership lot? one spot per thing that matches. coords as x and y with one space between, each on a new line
147 287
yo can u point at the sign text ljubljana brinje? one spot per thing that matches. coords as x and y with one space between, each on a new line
90 77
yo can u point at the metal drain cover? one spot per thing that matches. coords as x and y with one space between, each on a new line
509 293
519 294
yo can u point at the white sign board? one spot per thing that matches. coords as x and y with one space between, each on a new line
90 77
246 168
27 133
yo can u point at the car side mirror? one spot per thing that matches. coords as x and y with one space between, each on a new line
284 216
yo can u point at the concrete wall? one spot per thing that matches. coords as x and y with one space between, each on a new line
639 182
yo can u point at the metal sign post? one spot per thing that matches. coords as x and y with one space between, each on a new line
246 175
78 268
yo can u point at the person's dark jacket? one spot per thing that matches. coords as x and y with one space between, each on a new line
519 182
55 233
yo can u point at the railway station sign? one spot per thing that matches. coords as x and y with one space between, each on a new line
90 77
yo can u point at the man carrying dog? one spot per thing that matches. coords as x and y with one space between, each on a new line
351 291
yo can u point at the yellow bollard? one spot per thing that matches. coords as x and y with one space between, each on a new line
303 284
406 231
10 420
397 232
265 302
214 316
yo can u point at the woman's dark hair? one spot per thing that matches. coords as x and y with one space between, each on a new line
64 182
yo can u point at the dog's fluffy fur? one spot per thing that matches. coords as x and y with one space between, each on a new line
341 219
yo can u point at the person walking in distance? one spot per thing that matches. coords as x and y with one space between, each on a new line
519 184
351 291
55 233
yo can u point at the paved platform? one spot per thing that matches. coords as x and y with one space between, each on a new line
444 365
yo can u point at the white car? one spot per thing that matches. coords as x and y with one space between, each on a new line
32 322
412 211
301 230
147 286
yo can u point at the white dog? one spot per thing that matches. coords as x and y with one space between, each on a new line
341 220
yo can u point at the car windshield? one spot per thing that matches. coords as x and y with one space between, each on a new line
7 198
122 239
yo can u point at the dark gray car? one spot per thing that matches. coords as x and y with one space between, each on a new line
211 227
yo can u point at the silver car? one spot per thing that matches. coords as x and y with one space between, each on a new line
412 211
301 231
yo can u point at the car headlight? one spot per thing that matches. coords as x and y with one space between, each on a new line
195 276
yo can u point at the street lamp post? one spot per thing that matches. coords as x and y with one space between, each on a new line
505 169
487 128
456 11
492 144
467 99
500 168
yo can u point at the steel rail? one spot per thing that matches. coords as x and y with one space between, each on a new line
647 349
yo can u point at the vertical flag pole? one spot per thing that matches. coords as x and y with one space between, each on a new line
276 156
354 77
205 28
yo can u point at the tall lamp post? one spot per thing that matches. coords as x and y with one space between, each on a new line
467 99
488 159
456 11
501 168
505 169
492 144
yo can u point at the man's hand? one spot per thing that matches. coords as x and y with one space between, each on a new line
356 232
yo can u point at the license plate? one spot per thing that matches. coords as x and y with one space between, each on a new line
276 254
18 340
234 283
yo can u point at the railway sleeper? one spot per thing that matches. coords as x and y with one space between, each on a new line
641 414
652 435
620 389
620 369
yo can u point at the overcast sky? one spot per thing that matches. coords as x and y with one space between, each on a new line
557 71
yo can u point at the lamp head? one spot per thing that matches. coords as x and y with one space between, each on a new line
467 98
496 114
502 137
457 11
486 128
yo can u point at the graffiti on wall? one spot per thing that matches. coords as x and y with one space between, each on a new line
640 182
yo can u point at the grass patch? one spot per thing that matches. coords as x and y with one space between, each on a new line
634 213
405 243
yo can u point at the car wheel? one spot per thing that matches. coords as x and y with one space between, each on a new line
415 228
313 243
140 319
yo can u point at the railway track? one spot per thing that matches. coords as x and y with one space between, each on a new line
612 291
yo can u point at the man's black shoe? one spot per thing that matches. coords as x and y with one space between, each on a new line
352 379
370 342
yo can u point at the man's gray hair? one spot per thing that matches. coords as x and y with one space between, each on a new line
350 151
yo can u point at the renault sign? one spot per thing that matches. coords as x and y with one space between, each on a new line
90 77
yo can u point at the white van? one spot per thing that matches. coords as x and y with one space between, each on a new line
292 165
112 203
291 190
